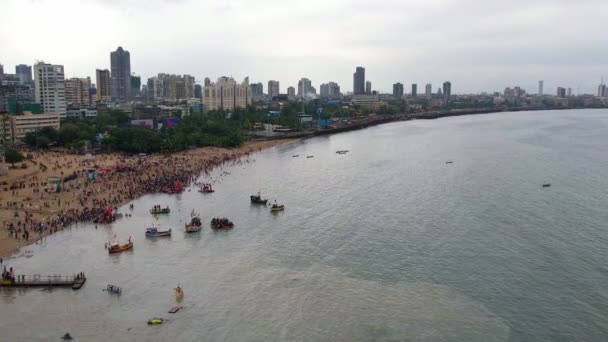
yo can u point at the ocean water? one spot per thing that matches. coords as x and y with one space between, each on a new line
385 243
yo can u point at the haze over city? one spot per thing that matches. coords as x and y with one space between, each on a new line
477 45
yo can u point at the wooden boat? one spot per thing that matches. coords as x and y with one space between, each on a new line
221 223
113 289
156 211
449 162
310 156
194 226
117 248
155 232
546 185
342 152
175 309
206 188
295 155
276 207
257 199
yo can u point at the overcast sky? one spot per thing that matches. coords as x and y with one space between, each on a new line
479 45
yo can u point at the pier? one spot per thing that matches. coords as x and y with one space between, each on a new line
73 281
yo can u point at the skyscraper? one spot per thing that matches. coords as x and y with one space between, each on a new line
414 90
602 91
305 88
189 82
368 87
198 91
77 92
135 85
428 91
561 92
120 61
291 92
540 87
104 92
1 70
50 87
207 81
24 72
569 92
324 90
226 94
257 90
359 81
273 88
334 90
398 90
447 91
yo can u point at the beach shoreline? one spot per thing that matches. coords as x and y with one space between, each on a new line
29 213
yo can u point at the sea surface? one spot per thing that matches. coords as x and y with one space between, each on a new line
385 243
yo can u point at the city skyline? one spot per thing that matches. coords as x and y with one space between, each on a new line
502 48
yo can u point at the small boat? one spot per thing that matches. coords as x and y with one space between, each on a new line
175 309
155 232
158 210
342 152
546 185
113 289
277 207
195 225
449 162
310 156
117 248
295 155
221 223
206 188
155 321
257 199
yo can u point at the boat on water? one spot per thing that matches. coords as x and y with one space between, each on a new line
342 152
449 162
546 185
277 207
155 321
195 225
221 223
206 188
155 232
295 155
158 210
310 156
257 199
117 248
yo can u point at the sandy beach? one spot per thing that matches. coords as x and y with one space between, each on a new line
29 212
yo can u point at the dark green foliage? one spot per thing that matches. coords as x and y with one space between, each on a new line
12 156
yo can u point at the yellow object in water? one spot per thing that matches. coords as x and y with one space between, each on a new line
155 321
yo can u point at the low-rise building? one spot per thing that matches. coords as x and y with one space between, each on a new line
29 122
79 113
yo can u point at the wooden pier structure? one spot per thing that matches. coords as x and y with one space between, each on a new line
74 281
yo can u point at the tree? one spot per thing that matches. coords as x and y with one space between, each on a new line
12 156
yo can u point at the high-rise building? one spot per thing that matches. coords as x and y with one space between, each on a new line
602 91
120 61
273 88
414 90
226 94
569 92
540 87
447 91
24 72
77 92
368 87
333 90
561 92
324 90
189 82
207 82
291 93
135 85
305 88
398 90
198 91
359 81
1 70
428 91
257 90
104 85
50 87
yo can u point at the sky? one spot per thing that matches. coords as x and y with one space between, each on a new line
478 45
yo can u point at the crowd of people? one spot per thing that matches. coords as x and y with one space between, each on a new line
84 200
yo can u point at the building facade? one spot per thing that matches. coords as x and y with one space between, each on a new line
226 94
305 88
50 87
77 92
120 61
359 81
428 91
447 91
28 122
368 87
561 92
257 90
104 85
24 72
291 93
273 88
414 90
540 87
398 90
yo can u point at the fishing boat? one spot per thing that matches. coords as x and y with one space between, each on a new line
257 199
342 152
295 155
310 156
546 185
117 248
195 225
155 321
155 232
158 210
221 223
277 207
206 188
